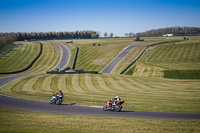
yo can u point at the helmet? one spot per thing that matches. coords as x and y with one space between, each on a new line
117 96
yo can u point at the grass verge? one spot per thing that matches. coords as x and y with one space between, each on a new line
139 93
182 74
26 121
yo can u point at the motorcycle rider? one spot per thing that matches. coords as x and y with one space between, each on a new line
115 100
60 93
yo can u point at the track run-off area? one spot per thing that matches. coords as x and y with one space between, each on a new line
30 105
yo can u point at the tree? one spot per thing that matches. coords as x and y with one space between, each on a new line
105 34
126 34
111 35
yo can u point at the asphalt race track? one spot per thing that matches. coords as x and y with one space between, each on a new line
119 57
66 55
29 105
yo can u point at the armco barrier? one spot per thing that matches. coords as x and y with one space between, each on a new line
143 53
75 58
30 65
72 72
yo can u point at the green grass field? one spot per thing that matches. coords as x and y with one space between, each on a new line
143 87
25 121
145 94
25 53
92 58
19 57
158 61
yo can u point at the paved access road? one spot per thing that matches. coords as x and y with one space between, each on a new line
29 105
119 57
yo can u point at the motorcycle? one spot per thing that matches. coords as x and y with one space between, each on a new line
56 99
112 106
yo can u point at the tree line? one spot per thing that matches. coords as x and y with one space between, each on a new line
106 34
9 38
21 36
6 40
176 31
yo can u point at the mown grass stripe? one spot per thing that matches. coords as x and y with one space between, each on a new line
54 83
82 83
62 83
75 83
7 89
29 85
46 85
124 83
37 66
69 84
102 83
38 84
115 84
19 57
48 56
95 82
18 87
88 82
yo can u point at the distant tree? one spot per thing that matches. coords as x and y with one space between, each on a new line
131 34
111 35
126 34
105 34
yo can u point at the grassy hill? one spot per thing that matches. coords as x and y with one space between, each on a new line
19 57
95 58
169 60
25 53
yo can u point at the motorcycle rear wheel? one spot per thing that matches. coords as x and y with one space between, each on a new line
52 101
104 108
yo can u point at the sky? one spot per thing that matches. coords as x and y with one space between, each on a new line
111 16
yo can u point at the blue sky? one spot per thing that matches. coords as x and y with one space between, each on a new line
116 16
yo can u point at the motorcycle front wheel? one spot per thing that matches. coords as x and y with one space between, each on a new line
58 101
118 108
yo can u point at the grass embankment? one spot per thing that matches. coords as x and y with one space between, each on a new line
25 53
172 60
145 94
26 121
20 57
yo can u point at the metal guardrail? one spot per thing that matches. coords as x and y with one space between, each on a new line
72 72
143 53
